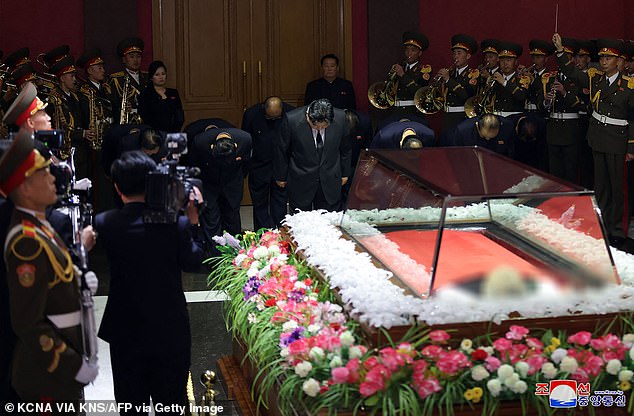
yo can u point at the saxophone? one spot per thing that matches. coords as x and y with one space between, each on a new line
62 123
98 123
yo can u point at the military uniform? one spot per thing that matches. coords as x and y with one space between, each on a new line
609 134
586 166
415 76
509 99
467 134
487 46
462 84
537 47
119 80
563 122
391 136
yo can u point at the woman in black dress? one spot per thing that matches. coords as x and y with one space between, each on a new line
160 107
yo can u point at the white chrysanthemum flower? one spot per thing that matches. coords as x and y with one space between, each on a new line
314 328
252 318
240 258
346 338
505 371
549 370
289 325
558 355
613 367
302 369
632 353
261 252
489 350
569 365
252 272
466 345
494 386
284 352
316 353
628 340
522 368
336 362
311 387
625 375
354 352
519 387
273 250
511 380
479 373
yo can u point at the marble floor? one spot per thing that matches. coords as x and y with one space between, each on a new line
210 338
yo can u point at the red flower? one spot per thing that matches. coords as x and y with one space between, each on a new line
580 338
502 344
479 355
439 336
517 332
270 302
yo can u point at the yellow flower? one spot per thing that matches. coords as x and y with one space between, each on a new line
555 342
473 395
549 349
625 385
468 395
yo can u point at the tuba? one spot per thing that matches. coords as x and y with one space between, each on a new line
431 99
382 94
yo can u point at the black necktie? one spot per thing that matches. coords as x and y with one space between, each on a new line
320 143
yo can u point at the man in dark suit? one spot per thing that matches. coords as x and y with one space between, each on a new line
489 131
609 132
263 122
145 320
222 155
312 159
338 90
391 136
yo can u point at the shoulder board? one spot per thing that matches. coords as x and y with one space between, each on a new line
474 73
525 81
425 69
117 74
84 89
28 228
23 242
593 71
630 82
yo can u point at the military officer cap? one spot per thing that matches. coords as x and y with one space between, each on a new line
24 106
22 74
540 47
584 47
66 65
509 49
489 45
628 50
610 47
416 39
17 58
129 45
569 44
466 42
19 162
56 54
89 58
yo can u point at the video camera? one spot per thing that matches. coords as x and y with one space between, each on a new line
51 141
167 188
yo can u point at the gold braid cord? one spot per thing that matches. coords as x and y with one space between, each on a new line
62 273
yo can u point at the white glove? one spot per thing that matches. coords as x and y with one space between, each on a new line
82 185
87 372
91 279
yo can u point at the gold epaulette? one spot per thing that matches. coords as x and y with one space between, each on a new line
593 71
425 69
117 74
29 251
525 81
630 81
85 89
473 73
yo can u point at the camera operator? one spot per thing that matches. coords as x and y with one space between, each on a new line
42 284
146 321
222 156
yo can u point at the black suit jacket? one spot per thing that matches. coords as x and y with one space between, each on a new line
297 162
146 307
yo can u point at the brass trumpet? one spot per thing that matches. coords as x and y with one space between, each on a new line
431 99
382 94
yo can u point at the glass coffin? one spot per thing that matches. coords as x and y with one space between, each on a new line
469 219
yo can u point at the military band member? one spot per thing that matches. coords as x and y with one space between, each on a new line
130 50
65 111
28 112
559 97
510 88
583 55
491 61
461 82
43 289
17 58
610 135
539 50
411 74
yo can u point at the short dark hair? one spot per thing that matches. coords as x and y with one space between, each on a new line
129 172
225 147
329 56
150 139
320 110
526 129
